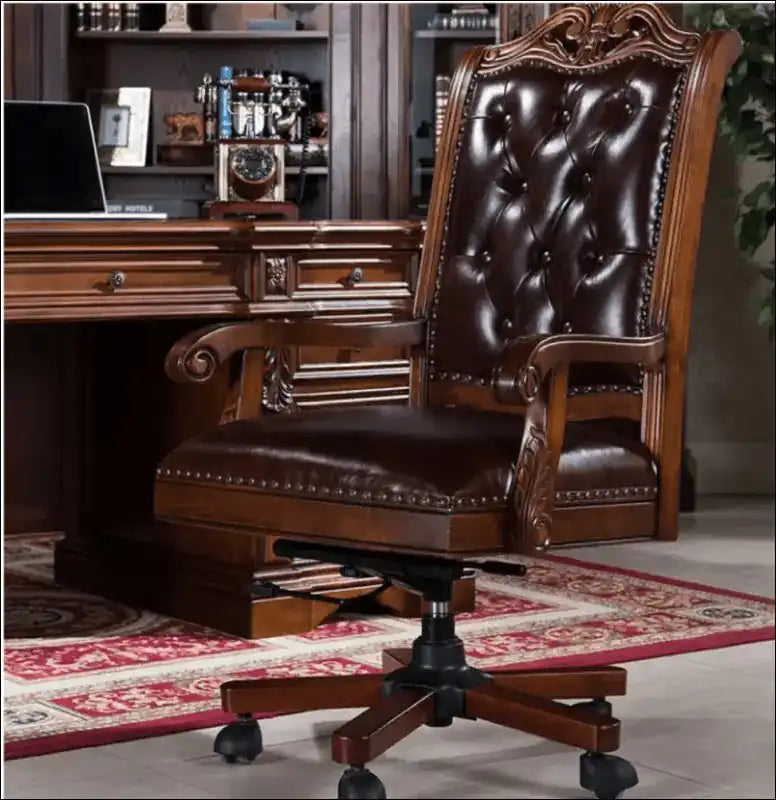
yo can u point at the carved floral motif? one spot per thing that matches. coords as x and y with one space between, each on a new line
534 493
277 393
277 275
581 36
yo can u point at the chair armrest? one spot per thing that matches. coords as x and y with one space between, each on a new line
535 370
197 356
527 361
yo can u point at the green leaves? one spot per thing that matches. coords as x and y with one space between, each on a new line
747 118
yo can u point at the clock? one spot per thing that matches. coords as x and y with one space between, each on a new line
253 171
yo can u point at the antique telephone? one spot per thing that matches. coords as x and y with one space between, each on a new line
252 118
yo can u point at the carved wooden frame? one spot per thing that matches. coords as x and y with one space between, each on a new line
577 39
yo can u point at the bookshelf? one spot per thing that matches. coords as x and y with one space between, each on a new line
62 62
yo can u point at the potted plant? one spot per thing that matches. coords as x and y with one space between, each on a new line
747 121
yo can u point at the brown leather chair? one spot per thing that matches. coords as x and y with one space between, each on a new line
561 236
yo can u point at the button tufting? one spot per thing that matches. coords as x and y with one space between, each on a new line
523 187
565 116
507 120
545 257
567 327
595 257
506 328
628 108
486 257
586 179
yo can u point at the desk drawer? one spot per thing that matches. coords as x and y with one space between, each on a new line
186 281
342 276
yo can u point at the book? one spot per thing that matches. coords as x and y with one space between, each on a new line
441 94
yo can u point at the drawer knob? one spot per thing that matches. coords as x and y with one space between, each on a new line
117 279
356 275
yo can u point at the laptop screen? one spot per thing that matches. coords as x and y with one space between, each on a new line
49 159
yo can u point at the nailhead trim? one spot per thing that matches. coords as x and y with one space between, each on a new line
394 498
584 496
459 377
578 497
575 391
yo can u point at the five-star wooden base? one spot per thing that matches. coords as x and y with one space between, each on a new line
525 700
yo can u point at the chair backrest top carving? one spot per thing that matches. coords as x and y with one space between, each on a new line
600 34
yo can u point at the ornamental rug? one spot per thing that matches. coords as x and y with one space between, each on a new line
81 671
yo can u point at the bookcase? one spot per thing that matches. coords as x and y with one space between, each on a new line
375 65
48 58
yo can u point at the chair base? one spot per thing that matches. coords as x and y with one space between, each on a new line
432 684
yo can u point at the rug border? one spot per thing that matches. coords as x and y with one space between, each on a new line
634 573
99 737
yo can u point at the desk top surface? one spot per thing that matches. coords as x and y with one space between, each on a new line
140 269
27 235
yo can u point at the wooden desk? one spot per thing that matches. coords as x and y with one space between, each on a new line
90 412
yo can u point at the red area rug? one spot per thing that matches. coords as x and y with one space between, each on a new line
81 671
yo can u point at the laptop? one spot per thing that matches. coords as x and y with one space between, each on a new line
50 164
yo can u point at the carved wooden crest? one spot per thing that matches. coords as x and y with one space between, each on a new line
581 36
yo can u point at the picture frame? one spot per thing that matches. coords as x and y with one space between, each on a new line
121 119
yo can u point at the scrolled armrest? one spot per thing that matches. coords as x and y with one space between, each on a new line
527 361
197 356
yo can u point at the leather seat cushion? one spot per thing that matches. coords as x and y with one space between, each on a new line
435 459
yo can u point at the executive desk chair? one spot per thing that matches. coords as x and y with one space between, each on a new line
561 242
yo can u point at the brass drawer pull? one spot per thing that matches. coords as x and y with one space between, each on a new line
356 275
117 279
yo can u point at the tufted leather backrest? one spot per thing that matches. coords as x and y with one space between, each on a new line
558 175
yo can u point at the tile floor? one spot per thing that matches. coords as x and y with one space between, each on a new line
699 725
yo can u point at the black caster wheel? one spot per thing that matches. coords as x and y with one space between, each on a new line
607 777
601 707
360 784
240 739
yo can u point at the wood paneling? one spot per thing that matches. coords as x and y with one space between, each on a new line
9 55
34 412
